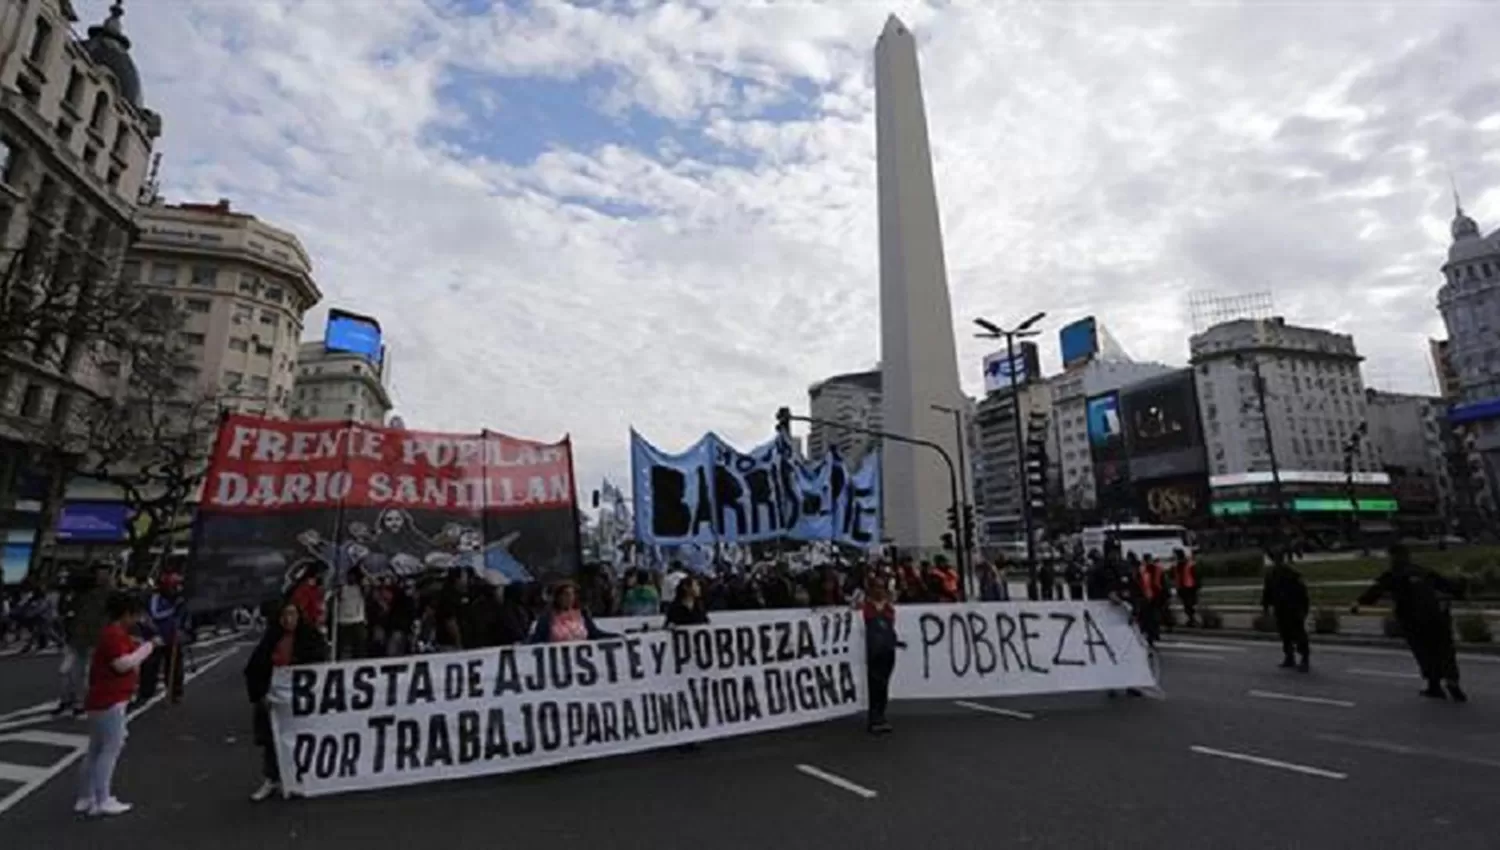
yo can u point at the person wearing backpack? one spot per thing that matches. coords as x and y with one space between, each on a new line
1417 595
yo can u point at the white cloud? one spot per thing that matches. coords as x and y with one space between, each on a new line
1090 158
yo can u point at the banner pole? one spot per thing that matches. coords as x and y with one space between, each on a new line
338 550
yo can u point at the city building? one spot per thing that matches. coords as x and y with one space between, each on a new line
244 286
1000 513
1442 370
1071 390
1470 303
918 352
339 385
1407 433
849 399
75 154
1301 387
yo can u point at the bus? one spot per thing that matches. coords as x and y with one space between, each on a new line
1158 541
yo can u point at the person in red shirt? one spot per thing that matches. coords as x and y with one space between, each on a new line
113 677
308 597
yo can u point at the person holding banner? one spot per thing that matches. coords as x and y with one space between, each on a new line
565 621
289 640
881 643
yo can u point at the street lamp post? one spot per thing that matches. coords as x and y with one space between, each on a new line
1021 331
964 532
1265 424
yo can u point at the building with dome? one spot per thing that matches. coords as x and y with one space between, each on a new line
76 144
1470 303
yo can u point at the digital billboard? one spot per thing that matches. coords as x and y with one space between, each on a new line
1104 420
998 368
1078 341
1161 414
353 333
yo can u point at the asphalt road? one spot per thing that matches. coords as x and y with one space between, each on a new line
1351 757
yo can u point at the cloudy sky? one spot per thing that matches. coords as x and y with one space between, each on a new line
583 217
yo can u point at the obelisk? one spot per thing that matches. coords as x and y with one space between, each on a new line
918 355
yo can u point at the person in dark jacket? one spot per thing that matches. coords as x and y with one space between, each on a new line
513 623
881 643
1417 594
288 640
1285 593
687 609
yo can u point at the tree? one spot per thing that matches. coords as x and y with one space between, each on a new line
151 439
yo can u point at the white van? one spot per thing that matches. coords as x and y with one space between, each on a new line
1159 541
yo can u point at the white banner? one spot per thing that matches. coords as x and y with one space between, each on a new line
999 649
356 725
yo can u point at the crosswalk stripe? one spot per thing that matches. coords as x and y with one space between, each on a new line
22 773
51 739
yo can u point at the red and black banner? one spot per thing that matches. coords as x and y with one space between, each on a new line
282 498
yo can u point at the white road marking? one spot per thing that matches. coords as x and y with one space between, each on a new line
50 739
1388 674
39 708
1199 647
48 774
1178 653
1405 750
1393 652
995 709
1339 703
837 781
1304 769
20 773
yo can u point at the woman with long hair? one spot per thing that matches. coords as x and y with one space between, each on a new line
687 608
289 639
564 621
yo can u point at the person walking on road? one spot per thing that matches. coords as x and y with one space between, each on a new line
1150 598
1417 593
287 641
881 643
1285 593
113 675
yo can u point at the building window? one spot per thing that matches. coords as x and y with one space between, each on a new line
41 39
237 344
47 196
197 305
259 385
193 339
232 381
268 318
349 410
74 95
164 274
101 110
31 401
130 272
249 284
242 314
262 350
273 294
205 276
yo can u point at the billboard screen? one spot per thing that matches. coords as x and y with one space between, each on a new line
1104 425
1172 501
998 368
353 333
1078 341
1161 415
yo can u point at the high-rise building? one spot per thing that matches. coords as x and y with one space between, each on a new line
850 399
244 286
1304 386
1470 303
1408 434
75 152
339 385
1002 518
919 359
1070 393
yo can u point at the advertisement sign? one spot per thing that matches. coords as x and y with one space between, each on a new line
1161 414
998 367
93 522
361 725
282 498
1078 342
353 333
1104 426
1172 501
713 493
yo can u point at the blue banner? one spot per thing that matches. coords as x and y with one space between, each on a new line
713 493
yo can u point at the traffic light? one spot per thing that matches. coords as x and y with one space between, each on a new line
948 541
968 532
784 420
953 519
1036 463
